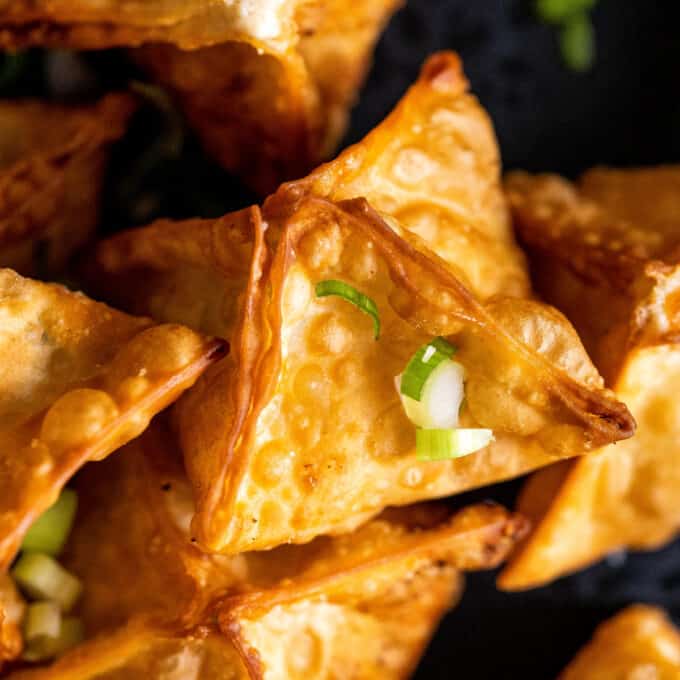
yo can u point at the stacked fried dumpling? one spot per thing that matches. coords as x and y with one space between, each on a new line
639 642
362 605
300 430
52 162
267 85
605 251
77 381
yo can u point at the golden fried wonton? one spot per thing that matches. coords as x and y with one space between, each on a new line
292 613
272 114
636 644
606 253
300 430
267 83
52 161
77 380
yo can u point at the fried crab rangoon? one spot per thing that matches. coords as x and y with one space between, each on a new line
52 162
639 642
154 603
606 253
266 83
79 380
300 430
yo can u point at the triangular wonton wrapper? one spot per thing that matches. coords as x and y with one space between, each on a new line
638 643
267 84
300 430
606 254
362 605
52 162
77 381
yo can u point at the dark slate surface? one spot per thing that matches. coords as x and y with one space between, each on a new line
625 111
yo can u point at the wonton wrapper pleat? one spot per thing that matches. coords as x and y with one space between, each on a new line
267 84
606 254
52 162
300 430
78 380
639 642
289 613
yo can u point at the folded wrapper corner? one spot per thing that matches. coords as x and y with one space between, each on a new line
52 163
300 430
78 380
605 253
152 602
267 85
639 642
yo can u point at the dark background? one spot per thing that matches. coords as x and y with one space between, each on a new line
625 111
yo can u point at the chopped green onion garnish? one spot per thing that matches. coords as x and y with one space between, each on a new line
351 294
558 11
42 620
421 365
41 577
450 443
577 42
42 649
50 531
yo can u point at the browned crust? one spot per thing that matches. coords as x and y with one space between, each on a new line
550 215
163 393
479 537
247 346
560 223
107 123
603 418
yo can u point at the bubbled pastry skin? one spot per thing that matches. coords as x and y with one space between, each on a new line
80 381
299 431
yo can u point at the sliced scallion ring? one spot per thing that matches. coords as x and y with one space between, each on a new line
42 620
446 444
421 365
50 531
41 577
439 406
351 294
45 648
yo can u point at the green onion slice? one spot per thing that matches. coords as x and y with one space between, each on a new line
421 365
42 620
577 43
44 648
351 294
450 443
50 531
41 577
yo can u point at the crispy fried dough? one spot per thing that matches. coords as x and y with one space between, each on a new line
606 254
52 161
639 642
267 84
300 430
284 614
79 379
